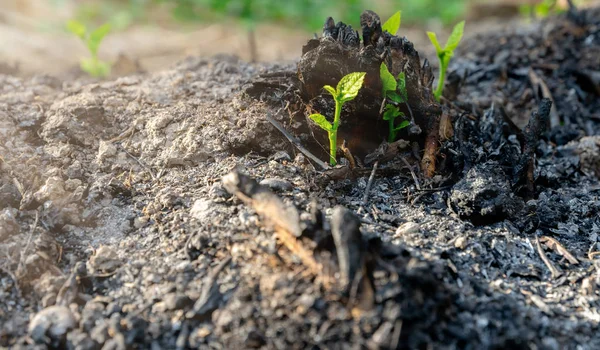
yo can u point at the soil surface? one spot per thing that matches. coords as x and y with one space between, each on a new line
118 229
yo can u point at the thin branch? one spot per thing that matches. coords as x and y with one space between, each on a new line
370 184
555 272
296 143
24 252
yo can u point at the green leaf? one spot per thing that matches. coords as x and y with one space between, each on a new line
387 79
392 24
434 41
331 90
396 97
391 112
96 37
455 37
402 125
321 121
402 87
349 86
76 28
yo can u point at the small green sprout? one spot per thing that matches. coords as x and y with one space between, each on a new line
444 54
93 65
542 9
392 24
394 89
347 89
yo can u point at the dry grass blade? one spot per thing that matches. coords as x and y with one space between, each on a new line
555 245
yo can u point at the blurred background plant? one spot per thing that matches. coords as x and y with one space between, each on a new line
154 34
306 14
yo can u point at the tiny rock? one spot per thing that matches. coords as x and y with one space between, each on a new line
460 243
281 156
407 228
8 223
277 184
202 210
105 260
53 189
51 325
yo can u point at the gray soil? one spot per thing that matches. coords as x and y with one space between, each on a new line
114 224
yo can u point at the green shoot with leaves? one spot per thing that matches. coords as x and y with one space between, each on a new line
347 89
444 54
93 65
394 89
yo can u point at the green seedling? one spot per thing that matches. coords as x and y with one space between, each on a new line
542 9
394 90
347 89
92 65
392 24
445 54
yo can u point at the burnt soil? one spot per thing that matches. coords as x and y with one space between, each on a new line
114 221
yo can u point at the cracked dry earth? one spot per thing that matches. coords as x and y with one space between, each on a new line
117 232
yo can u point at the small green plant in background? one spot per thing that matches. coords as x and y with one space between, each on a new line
92 65
394 89
540 10
445 54
347 89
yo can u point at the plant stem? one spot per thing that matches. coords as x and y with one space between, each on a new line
391 134
333 134
332 147
440 86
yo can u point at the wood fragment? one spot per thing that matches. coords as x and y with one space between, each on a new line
523 172
431 147
369 184
387 151
348 155
284 220
555 245
446 129
345 228
412 173
539 83
553 270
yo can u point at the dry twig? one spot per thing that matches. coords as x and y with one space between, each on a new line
555 272
555 245
370 184
296 143
21 266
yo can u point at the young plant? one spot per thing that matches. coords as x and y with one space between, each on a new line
394 89
444 54
92 65
347 89
392 24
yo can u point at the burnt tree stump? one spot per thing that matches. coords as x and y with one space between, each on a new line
339 52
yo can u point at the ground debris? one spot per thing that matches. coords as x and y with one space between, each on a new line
200 269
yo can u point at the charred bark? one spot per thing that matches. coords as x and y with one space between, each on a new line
339 52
